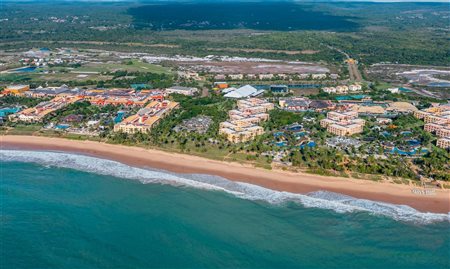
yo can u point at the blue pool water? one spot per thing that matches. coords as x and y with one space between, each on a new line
281 143
6 111
413 142
412 152
402 89
300 134
310 144
62 126
119 117
25 69
278 134
439 84
350 97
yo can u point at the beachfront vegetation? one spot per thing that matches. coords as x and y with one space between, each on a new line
12 100
368 161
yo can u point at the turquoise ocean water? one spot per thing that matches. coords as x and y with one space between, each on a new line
70 211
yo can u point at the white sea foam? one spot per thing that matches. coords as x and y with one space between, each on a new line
320 199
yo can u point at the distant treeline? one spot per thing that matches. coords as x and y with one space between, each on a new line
280 16
408 33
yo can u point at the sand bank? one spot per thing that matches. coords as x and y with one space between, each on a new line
276 180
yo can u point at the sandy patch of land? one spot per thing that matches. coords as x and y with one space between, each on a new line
277 180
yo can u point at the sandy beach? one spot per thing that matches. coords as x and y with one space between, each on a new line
277 180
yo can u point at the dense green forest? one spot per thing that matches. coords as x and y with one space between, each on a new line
413 33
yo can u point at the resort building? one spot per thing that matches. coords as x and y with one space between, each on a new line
279 88
387 109
343 89
373 110
122 97
295 104
242 92
219 77
303 76
401 107
393 90
37 113
299 104
243 123
48 91
240 134
443 143
443 132
343 123
190 91
220 85
266 76
188 75
319 76
146 117
255 104
354 88
16 89
437 120
236 76
384 121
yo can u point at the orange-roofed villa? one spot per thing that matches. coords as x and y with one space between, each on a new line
146 118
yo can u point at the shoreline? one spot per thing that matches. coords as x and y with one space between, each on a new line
273 179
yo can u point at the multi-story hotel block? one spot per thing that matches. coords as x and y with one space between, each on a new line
443 132
122 97
16 89
37 113
343 123
243 123
190 91
254 105
239 134
146 117
443 143
342 89
437 120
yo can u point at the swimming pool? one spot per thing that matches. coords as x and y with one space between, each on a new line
414 151
25 69
119 117
62 126
6 111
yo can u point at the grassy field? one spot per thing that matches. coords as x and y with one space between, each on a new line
215 153
131 66
41 77
91 71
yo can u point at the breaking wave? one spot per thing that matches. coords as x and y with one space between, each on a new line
320 199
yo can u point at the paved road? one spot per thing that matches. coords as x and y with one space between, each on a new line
354 72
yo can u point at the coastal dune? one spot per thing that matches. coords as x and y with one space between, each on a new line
276 180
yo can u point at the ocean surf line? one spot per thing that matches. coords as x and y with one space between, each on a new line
321 199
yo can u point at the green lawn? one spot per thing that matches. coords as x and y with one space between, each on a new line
136 66
213 152
76 74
